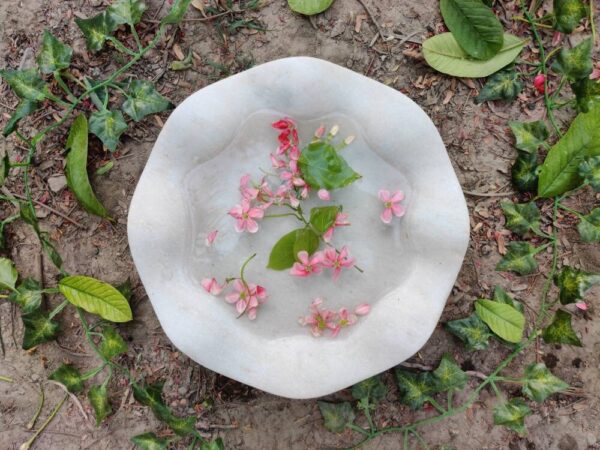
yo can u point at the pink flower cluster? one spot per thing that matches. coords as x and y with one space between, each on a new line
246 297
321 320
329 258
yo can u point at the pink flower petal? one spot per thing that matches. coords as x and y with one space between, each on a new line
240 306
384 195
328 234
398 210
252 314
251 226
323 194
582 306
362 309
210 237
386 215
398 196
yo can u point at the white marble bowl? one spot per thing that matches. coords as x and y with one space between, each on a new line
190 181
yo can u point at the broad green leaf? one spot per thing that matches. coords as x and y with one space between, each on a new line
143 99
108 125
501 296
323 167
306 240
559 172
54 55
177 11
472 331
217 444
68 375
149 441
372 389
96 297
309 7
127 11
8 274
539 383
519 258
529 136
28 295
512 415
589 170
568 14
38 329
448 375
443 53
574 283
521 218
503 85
336 416
587 93
26 84
589 227
474 26
524 172
414 389
323 217
112 343
560 331
97 29
98 397
24 108
282 254
503 319
76 168
575 63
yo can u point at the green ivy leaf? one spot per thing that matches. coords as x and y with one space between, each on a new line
96 30
324 168
568 14
143 99
176 13
524 173
309 7
54 55
98 397
8 274
574 283
472 331
284 252
68 375
217 444
519 258
445 55
323 217
529 136
127 11
96 297
336 416
448 375
539 383
26 84
112 343
372 389
149 441
589 170
575 63
414 389
512 415
560 331
76 168
520 218
39 328
108 125
503 319
306 240
24 108
501 296
503 85
28 295
587 93
474 26
589 227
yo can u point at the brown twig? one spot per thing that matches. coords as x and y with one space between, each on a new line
372 17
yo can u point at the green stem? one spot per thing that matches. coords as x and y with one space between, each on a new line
64 87
34 419
6 379
592 24
119 46
572 211
555 94
273 216
136 36
92 373
449 401
436 405
29 443
58 309
250 258
357 428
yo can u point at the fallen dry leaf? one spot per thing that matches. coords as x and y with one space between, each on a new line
448 97
199 5
359 21
178 52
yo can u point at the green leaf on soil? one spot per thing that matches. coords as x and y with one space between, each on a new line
96 30
150 441
501 296
76 168
143 99
112 343
336 416
127 11
529 136
414 389
503 85
23 109
323 167
589 170
108 125
372 389
472 331
589 227
54 55
525 171
568 14
98 397
560 331
576 63
8 274
519 258
574 283
68 375
587 93
309 7
26 84
323 217
176 13
39 328
539 383
448 375
503 319
512 415
96 297
521 217
28 295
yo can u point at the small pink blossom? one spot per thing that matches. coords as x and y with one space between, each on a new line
211 286
391 202
344 319
247 297
210 237
362 309
323 194
582 306
319 320
336 261
245 215
307 265
248 192
341 220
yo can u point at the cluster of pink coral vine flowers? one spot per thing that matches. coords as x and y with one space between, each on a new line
296 173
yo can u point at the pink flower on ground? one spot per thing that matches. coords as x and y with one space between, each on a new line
582 306
245 215
391 202
307 265
247 297
362 309
345 319
538 83
341 220
211 286
210 237
319 320
323 194
337 261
